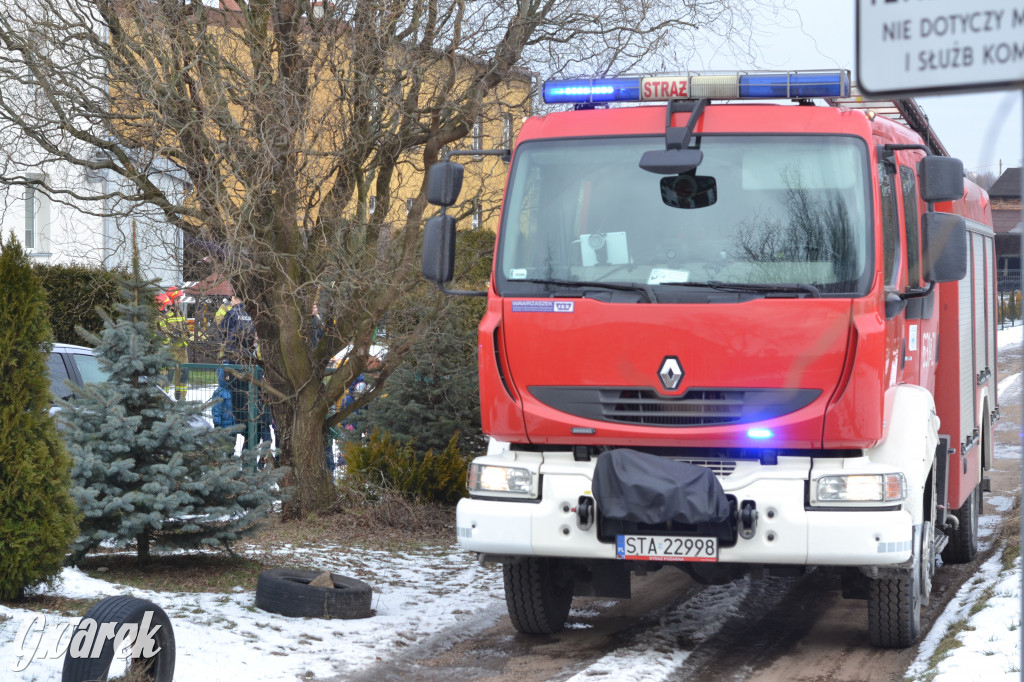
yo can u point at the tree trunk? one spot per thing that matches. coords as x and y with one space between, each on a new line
142 541
303 448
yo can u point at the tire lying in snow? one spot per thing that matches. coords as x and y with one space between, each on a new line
152 644
287 591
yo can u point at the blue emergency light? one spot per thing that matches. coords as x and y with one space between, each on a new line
758 85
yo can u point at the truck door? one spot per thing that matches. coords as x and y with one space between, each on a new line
892 254
921 329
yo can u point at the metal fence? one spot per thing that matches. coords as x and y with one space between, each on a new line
204 380
1009 312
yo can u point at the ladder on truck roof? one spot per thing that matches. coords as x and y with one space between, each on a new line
905 111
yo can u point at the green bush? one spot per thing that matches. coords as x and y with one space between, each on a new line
74 292
37 516
384 461
436 390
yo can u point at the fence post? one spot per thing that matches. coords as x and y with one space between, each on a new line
252 434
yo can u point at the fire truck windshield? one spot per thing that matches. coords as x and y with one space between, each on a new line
787 209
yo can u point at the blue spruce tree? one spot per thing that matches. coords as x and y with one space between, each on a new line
143 474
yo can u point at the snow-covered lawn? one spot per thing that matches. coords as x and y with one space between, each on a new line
419 593
225 637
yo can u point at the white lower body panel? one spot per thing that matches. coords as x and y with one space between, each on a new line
786 532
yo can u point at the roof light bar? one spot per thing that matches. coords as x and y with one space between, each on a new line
757 85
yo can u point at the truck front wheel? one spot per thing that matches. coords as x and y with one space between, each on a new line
538 593
894 610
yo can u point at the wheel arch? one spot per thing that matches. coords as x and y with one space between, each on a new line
910 443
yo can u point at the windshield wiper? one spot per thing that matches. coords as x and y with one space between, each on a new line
739 287
582 284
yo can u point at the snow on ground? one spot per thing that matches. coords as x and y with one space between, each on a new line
417 594
225 637
985 615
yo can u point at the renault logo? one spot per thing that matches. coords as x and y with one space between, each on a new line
671 373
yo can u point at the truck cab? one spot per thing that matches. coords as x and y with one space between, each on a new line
712 341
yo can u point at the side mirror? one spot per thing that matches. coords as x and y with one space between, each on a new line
444 183
944 247
942 178
671 161
439 248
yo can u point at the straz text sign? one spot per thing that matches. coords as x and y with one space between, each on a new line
664 87
921 46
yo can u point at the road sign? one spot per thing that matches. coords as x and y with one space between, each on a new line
939 46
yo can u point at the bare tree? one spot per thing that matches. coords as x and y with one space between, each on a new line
284 117
984 179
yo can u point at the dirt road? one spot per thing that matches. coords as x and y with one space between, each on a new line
797 629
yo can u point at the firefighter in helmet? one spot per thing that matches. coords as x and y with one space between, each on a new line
174 326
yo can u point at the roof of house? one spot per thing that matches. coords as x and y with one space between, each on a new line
1008 184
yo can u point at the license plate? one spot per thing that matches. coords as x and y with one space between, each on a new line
664 548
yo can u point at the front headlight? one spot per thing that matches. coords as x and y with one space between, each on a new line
862 488
501 480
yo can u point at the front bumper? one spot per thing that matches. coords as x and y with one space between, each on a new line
787 532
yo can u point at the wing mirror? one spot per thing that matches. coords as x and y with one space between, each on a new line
944 251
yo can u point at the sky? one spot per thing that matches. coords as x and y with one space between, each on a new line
983 130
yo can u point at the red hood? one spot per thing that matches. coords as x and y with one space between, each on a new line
761 344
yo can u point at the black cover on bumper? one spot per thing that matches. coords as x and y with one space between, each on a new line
636 487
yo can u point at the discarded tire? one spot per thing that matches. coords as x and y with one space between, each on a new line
287 591
152 645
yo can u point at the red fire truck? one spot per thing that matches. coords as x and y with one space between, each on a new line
724 334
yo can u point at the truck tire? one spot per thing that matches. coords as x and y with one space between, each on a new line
121 611
963 542
894 611
894 603
538 593
286 591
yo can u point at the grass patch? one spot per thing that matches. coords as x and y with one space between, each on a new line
380 519
1010 554
949 641
48 603
196 572
982 603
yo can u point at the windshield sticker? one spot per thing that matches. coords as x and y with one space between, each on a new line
663 276
542 306
517 273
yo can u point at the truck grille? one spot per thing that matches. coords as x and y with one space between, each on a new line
719 467
695 407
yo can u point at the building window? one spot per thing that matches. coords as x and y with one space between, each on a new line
408 206
478 214
478 133
373 204
36 213
506 131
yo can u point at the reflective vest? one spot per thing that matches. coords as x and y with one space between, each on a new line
175 329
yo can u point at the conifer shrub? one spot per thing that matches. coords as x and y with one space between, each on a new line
145 474
37 515
435 391
74 293
387 463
